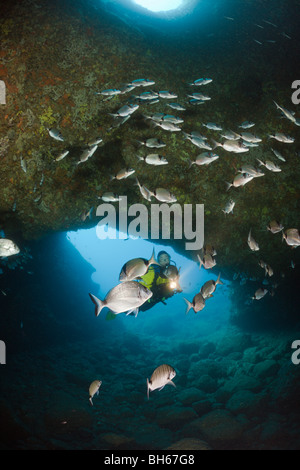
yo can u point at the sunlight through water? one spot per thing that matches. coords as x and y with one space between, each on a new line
159 5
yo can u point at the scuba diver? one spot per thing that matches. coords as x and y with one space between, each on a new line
162 280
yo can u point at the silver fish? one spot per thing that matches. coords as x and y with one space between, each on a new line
153 159
168 126
141 82
209 250
209 287
232 146
204 158
201 81
62 155
152 143
197 304
110 197
278 155
251 171
198 141
247 124
176 106
23 164
207 262
268 270
94 389
282 138
97 141
270 165
199 96
259 294
196 102
136 267
109 92
171 118
87 153
122 174
292 237
288 114
147 95
167 94
164 195
212 126
55 134
229 207
248 137
253 245
161 376
8 247
125 297
125 110
239 180
144 191
275 227
230 135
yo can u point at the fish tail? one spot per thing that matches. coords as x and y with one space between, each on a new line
152 260
190 163
200 261
148 388
99 304
218 281
91 401
140 157
215 144
260 162
228 185
189 306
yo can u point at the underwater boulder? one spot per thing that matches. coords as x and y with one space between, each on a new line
189 444
207 384
247 402
191 395
266 369
220 427
175 417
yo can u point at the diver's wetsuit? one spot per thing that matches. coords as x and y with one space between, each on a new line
158 283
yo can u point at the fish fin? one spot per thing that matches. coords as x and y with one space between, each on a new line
135 311
228 185
99 304
140 158
189 306
161 388
171 383
91 401
148 388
